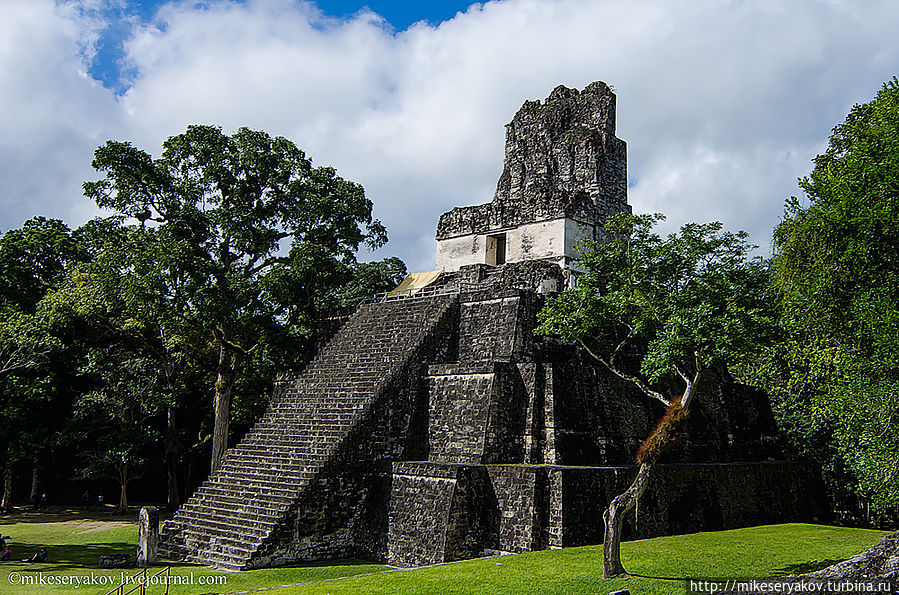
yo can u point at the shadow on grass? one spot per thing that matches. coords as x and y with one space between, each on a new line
693 578
801 568
67 557
805 567
61 514
347 562
315 564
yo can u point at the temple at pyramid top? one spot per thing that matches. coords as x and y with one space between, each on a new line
565 171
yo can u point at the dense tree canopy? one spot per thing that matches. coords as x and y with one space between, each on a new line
836 268
695 299
126 301
243 235
370 278
33 260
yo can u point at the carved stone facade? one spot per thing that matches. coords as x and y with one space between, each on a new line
565 171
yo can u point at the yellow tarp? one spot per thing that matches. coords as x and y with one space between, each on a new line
414 282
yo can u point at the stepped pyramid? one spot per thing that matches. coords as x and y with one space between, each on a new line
316 422
437 426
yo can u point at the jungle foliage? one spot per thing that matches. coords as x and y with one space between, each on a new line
835 374
147 332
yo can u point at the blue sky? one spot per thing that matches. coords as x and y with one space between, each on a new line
723 105
121 19
399 14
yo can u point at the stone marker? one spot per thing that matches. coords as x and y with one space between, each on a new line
148 536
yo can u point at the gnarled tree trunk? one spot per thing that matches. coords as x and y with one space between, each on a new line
614 517
669 429
223 385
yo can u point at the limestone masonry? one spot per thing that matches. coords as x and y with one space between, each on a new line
436 426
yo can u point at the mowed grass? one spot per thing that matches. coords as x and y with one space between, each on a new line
660 565
75 545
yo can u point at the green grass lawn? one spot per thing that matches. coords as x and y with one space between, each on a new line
658 565
75 545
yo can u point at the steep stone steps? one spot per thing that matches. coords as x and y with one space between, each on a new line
230 516
254 522
226 494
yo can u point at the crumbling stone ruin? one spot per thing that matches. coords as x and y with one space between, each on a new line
565 171
435 425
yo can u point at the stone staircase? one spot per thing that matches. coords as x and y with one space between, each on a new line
231 516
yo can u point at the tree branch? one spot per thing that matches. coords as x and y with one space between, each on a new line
681 373
219 334
692 384
628 378
20 357
252 270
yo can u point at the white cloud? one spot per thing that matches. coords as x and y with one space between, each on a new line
722 104
52 113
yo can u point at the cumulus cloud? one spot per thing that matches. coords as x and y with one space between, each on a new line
53 114
722 104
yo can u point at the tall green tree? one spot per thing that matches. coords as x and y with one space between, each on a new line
33 260
112 424
836 269
682 305
247 234
125 299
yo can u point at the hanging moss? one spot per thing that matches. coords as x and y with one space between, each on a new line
669 429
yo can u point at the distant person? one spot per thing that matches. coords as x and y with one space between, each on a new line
85 500
42 502
41 556
6 555
100 500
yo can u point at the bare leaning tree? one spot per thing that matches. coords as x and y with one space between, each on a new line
686 303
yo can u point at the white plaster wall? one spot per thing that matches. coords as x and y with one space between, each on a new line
453 253
545 239
536 240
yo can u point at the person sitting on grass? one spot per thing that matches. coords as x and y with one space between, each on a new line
41 556
6 556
